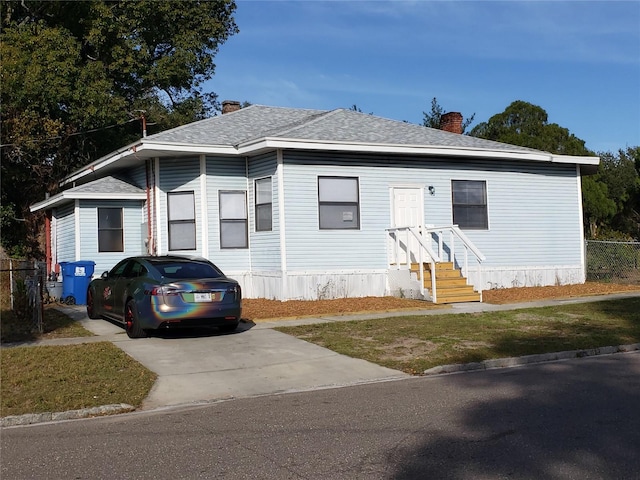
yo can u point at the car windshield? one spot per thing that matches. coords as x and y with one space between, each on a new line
192 270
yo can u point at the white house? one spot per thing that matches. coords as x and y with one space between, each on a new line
308 204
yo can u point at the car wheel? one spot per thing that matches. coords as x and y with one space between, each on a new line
91 308
131 321
229 328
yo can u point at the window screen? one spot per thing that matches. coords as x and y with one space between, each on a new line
233 220
470 204
110 232
263 207
338 203
182 221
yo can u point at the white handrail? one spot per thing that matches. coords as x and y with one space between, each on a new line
419 234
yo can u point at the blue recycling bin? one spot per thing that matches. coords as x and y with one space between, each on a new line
75 281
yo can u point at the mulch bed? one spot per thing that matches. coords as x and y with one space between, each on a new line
261 309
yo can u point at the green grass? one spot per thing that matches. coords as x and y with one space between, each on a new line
416 343
60 378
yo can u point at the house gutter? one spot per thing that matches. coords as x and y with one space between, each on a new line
145 148
268 143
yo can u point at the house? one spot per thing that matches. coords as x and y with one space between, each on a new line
312 204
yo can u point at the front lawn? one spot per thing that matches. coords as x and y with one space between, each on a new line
415 343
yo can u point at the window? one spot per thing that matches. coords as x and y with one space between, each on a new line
470 204
110 234
338 203
263 205
182 221
233 220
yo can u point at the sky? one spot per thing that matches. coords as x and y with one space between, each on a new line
578 60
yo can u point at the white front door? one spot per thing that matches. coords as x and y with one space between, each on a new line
407 211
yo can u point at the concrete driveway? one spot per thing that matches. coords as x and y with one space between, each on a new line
254 360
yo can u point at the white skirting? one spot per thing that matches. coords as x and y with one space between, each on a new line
400 283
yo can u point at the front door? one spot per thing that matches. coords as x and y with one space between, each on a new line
408 211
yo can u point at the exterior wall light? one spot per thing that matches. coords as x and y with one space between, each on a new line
432 190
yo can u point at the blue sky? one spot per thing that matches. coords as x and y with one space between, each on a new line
578 60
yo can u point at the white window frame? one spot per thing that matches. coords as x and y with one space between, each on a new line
233 217
482 207
181 217
111 229
262 206
336 200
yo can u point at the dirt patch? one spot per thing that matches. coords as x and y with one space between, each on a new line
262 309
530 294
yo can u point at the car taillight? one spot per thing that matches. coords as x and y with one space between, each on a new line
162 291
235 290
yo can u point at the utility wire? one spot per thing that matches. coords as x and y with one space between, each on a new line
78 133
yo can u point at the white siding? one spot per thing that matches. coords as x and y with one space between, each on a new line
265 246
225 174
534 222
178 175
65 233
132 217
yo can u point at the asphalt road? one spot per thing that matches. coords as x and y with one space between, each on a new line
577 419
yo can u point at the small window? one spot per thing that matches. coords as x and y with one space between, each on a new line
182 221
263 205
338 203
470 204
233 220
110 234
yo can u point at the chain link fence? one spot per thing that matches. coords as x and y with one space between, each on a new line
610 261
22 286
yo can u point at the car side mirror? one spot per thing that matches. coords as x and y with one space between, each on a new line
104 275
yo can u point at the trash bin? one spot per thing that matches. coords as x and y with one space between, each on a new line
55 290
75 280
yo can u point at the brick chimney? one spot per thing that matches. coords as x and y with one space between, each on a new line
451 122
229 106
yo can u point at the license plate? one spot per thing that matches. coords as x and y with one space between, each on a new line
207 297
202 297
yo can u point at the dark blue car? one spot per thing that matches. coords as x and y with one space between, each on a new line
155 292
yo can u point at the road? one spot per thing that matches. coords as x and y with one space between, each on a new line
577 419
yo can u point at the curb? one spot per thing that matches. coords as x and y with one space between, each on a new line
30 418
529 359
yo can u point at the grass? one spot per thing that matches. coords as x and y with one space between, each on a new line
60 378
415 343
55 324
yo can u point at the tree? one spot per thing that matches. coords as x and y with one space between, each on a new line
527 125
77 77
620 175
434 118
598 208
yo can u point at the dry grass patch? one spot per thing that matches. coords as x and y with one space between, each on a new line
53 379
415 343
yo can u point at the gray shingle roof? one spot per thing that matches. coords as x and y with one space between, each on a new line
109 185
258 121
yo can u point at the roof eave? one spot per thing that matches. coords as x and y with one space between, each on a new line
435 150
70 195
144 150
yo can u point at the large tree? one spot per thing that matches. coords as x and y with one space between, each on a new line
78 75
527 125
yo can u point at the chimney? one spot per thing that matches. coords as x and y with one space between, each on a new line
229 106
451 122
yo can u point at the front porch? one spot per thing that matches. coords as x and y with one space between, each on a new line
446 265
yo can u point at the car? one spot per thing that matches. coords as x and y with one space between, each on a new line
146 293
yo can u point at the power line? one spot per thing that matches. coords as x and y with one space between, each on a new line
78 133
